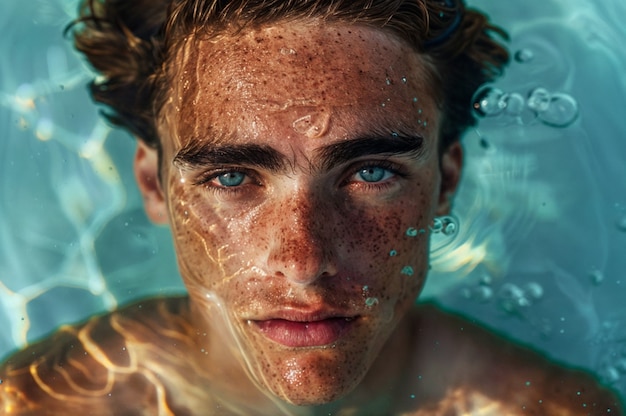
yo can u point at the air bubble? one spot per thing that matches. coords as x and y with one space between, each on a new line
621 365
597 277
524 55
489 102
514 104
539 100
561 112
45 129
449 229
445 225
437 225
534 290
609 375
512 298
621 224
482 294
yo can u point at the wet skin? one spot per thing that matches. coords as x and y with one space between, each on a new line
295 158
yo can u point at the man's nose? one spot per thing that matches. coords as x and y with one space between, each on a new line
300 248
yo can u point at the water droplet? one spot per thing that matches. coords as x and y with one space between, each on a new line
597 277
383 105
371 302
366 288
404 80
489 102
561 112
414 99
393 253
524 55
420 111
539 100
411 232
395 135
407 271
514 104
287 51
412 395
388 81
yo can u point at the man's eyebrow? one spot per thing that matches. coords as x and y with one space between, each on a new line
388 145
217 154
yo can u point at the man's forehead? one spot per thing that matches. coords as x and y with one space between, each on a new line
313 57
302 73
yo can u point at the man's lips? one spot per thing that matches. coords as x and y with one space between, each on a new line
305 333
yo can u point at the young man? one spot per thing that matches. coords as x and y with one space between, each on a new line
301 152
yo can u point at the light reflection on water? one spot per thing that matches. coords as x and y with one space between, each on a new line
539 252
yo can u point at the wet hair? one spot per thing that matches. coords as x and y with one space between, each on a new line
132 42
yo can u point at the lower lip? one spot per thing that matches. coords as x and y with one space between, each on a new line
304 334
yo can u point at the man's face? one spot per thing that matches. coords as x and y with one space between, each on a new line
300 174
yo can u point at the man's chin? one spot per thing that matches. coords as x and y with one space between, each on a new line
314 385
309 396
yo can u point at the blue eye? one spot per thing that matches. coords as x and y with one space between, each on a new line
231 179
373 174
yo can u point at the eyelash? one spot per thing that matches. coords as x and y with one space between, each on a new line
205 179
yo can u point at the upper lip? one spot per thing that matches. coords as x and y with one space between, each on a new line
303 315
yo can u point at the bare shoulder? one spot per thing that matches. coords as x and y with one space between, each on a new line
463 367
103 360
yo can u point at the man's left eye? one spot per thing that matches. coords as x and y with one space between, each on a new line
372 174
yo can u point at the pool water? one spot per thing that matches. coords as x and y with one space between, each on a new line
538 247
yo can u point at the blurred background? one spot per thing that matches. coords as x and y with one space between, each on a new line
540 248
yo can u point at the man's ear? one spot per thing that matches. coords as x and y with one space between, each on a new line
450 165
147 177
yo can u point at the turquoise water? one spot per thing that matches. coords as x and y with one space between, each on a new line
540 250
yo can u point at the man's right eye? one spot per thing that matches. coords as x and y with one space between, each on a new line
229 179
224 179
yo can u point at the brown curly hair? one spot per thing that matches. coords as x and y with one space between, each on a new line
132 42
